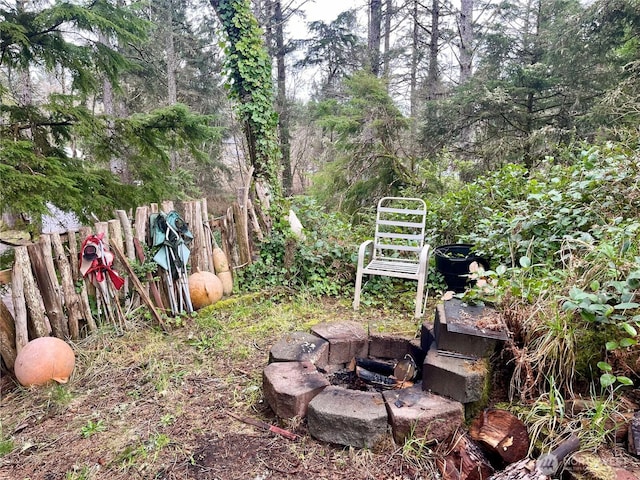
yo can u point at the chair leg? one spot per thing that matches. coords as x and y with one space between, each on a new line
419 312
356 298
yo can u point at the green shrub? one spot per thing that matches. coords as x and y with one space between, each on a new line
320 263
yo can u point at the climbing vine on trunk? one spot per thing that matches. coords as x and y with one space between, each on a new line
250 84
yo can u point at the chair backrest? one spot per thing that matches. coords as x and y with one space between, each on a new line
400 224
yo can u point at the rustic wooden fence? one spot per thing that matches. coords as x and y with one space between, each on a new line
50 296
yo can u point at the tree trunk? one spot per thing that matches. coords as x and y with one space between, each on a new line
387 40
375 25
415 57
281 102
172 89
465 28
433 77
252 88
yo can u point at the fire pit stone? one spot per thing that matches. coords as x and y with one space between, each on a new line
393 347
288 387
422 414
348 417
468 329
299 347
346 340
460 378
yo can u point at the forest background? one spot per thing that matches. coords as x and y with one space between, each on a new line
113 105
517 122
496 113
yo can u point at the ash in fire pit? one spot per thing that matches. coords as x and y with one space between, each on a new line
372 375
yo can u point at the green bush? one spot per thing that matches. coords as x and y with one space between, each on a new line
320 263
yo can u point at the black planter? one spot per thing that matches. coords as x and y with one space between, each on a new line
453 261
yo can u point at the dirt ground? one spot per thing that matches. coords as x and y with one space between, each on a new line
153 405
156 405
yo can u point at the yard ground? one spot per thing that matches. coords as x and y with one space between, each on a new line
156 405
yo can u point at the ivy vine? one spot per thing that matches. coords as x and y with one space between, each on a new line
250 84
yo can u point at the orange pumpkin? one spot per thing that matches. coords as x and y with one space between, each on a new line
204 289
44 359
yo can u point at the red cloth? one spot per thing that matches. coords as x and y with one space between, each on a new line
99 267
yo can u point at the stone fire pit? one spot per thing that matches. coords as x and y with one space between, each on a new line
296 381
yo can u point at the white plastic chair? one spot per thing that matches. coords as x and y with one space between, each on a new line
398 248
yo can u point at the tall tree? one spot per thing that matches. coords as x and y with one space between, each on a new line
335 48
249 69
465 30
374 35
369 161
388 13
57 150
433 75
533 87
282 103
36 167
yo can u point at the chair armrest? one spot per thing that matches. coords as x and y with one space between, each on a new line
425 253
365 250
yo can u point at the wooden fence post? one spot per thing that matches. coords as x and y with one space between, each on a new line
8 349
48 292
39 325
71 298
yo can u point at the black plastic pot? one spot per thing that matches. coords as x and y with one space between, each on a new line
453 261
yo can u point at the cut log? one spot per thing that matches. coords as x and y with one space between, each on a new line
39 325
8 350
115 238
377 366
72 245
141 224
71 297
167 206
242 236
503 436
542 469
19 306
48 290
465 460
208 240
200 233
127 233
375 378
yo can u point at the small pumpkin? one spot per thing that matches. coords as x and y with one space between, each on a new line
220 261
227 282
44 359
205 288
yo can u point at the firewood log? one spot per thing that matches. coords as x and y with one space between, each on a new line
502 435
542 469
465 460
